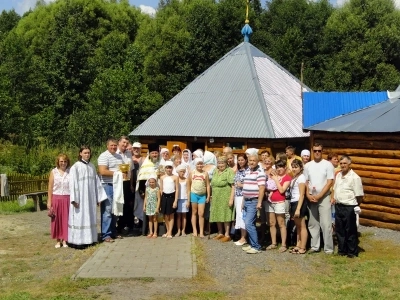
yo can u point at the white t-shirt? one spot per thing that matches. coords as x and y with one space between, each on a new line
317 174
295 187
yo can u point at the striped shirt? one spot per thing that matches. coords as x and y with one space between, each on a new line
112 162
251 182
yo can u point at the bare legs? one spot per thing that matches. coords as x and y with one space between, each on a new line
153 223
169 224
181 223
198 210
273 219
223 228
302 233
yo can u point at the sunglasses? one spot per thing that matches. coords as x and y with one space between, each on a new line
317 151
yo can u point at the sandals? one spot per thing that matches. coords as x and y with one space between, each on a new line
282 249
294 250
164 235
169 237
177 235
149 235
301 251
58 245
154 236
109 240
272 246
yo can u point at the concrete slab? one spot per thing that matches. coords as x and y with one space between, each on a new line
138 257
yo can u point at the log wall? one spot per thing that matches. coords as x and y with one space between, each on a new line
376 159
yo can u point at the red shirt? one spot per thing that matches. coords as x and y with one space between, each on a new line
278 197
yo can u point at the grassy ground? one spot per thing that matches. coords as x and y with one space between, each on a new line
12 207
30 268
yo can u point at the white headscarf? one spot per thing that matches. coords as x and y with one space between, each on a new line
209 158
152 176
198 153
305 152
189 159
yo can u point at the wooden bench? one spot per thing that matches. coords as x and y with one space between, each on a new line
37 199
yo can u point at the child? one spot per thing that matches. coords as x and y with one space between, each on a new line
198 189
151 204
169 185
270 187
183 202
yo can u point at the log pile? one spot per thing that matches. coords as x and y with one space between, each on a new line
376 159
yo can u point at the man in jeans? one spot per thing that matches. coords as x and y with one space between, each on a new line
253 193
108 162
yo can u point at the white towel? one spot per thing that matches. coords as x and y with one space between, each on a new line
4 186
118 201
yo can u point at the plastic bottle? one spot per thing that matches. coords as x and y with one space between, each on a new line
314 191
136 220
333 213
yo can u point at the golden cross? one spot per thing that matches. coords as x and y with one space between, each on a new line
247 12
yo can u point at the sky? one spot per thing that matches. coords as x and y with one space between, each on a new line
147 6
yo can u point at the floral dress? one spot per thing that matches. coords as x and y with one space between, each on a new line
221 184
151 204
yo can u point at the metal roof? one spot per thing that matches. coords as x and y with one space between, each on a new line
382 117
321 106
245 94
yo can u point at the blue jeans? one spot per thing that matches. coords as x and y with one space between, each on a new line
250 206
108 220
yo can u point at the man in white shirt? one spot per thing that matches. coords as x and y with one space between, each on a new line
348 194
108 163
319 174
125 222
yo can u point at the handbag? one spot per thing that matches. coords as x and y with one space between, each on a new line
288 192
51 213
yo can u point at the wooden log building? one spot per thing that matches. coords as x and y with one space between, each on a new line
371 138
245 100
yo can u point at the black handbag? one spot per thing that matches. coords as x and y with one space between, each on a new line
288 192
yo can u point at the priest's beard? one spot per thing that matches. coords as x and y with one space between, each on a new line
154 159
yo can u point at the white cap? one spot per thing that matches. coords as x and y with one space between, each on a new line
252 151
305 152
164 150
168 163
137 145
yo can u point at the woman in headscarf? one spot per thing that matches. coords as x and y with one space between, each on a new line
305 156
223 190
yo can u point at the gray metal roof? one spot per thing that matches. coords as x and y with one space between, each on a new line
382 117
245 94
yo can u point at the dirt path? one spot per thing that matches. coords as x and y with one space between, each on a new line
31 268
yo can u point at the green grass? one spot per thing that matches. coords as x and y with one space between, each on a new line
12 207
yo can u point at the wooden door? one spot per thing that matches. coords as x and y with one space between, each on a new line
171 144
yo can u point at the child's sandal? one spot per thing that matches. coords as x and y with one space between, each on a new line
149 235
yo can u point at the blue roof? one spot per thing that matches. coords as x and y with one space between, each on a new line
322 106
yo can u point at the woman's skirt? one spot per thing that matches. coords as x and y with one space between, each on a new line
239 224
59 224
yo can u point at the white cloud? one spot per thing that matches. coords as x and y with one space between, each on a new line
148 10
341 2
24 5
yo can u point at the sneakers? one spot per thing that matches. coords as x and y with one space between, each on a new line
253 251
246 248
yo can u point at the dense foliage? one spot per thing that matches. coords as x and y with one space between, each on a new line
78 71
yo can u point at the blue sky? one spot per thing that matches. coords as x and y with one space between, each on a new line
21 6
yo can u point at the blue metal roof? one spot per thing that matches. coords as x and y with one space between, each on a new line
322 106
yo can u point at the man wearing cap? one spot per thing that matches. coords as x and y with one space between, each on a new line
136 154
305 156
108 163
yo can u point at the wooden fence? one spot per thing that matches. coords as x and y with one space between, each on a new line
20 184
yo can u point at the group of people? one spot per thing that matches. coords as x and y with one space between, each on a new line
223 188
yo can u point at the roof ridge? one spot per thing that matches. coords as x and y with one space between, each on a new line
257 85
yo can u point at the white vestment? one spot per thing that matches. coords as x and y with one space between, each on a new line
87 191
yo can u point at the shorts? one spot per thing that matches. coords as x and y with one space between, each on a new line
303 209
277 208
182 206
167 202
199 199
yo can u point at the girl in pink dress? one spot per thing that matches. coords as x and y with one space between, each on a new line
58 200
